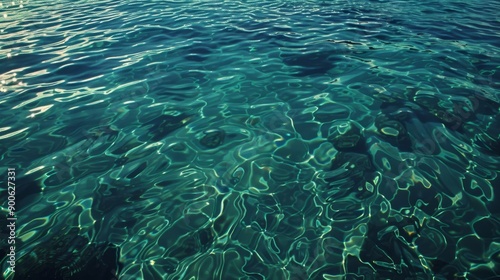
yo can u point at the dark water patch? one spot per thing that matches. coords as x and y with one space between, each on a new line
199 53
394 132
331 112
351 140
25 60
388 253
74 69
163 125
352 171
122 147
315 63
490 143
70 256
137 171
28 187
212 138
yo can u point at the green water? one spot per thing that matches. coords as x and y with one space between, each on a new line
252 139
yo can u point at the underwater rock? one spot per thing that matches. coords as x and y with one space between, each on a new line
388 249
213 138
432 111
358 163
348 137
394 132
353 172
450 120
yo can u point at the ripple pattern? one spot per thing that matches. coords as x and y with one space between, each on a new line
253 139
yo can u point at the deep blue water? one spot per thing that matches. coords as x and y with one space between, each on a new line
251 139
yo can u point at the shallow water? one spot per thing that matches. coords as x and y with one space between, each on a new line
252 139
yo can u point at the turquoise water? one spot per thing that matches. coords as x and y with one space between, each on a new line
252 139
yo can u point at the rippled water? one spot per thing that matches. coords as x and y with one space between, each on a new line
252 139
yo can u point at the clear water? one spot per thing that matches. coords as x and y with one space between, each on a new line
252 139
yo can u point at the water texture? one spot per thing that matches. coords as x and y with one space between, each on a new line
252 139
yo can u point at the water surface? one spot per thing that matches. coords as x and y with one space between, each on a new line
252 139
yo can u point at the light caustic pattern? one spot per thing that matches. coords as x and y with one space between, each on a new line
269 140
